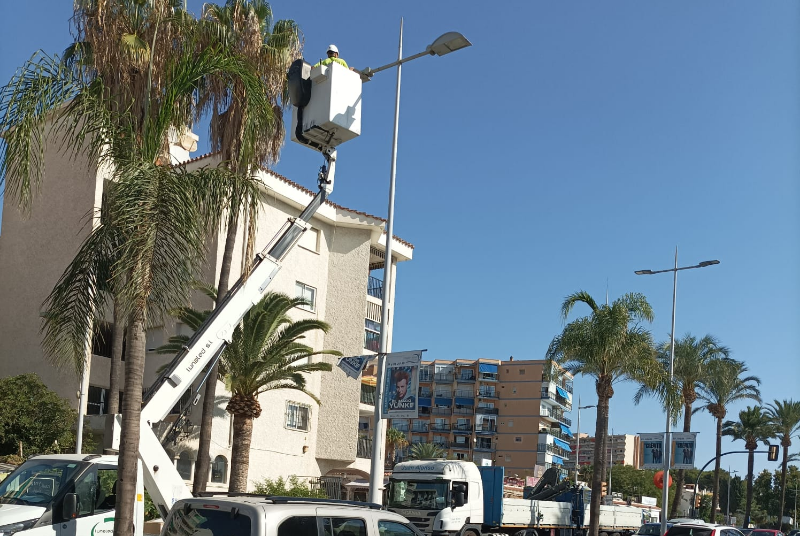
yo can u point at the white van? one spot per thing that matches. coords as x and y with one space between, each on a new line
259 515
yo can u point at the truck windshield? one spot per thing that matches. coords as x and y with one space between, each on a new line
36 482
425 494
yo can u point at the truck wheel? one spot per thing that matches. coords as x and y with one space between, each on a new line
616 534
470 533
603 534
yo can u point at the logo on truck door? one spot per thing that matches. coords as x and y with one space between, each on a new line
103 530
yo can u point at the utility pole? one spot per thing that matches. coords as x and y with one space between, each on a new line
728 505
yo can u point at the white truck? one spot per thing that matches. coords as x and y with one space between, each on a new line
454 497
69 495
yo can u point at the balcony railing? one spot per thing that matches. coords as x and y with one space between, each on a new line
457 445
372 341
367 395
425 375
484 447
469 378
463 411
465 393
552 449
563 419
375 287
488 377
419 427
462 428
440 427
563 401
486 393
443 394
443 377
441 411
556 433
400 426
486 411
485 428
442 444
364 448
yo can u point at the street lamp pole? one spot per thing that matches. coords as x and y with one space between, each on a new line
578 438
728 506
667 441
445 44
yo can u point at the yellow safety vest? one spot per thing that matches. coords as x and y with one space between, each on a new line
328 61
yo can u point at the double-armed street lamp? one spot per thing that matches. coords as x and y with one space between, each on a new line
578 438
667 442
444 44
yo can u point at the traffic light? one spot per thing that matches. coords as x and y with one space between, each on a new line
772 453
603 489
697 501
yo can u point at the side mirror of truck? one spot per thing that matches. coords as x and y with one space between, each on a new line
69 509
458 495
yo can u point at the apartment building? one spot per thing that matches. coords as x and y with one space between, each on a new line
507 413
337 266
622 449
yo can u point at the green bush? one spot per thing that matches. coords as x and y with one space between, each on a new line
35 420
291 487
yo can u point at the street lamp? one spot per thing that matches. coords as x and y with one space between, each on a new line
728 506
578 438
444 44
667 443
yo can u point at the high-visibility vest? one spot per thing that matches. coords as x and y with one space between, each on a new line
328 61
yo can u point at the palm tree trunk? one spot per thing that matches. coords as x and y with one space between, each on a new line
240 454
786 442
203 464
116 359
681 476
715 495
599 461
750 459
131 415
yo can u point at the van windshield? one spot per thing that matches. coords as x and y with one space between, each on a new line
206 522
36 482
424 494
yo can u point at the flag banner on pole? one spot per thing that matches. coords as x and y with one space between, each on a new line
353 365
683 448
400 385
652 450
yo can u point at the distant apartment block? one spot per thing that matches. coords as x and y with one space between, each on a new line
621 449
508 413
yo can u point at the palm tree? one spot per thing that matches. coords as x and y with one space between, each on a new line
244 27
426 451
690 368
785 417
754 425
266 354
395 439
725 385
132 76
610 346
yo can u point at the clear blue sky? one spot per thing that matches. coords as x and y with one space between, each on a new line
574 143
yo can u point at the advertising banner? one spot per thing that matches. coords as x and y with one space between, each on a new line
652 446
683 449
352 366
400 385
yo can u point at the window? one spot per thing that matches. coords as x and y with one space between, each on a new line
466 488
107 489
86 490
208 521
514 390
310 240
518 439
308 293
297 416
298 526
219 470
460 456
185 466
390 528
522 372
342 526
511 424
508 458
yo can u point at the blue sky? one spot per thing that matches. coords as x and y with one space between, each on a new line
574 143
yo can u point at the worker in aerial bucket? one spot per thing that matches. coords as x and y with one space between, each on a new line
333 56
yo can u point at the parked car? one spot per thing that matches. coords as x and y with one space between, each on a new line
766 532
652 529
703 529
794 532
747 531
246 515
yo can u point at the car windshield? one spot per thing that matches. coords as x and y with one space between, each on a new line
206 522
764 533
690 530
36 482
650 529
424 494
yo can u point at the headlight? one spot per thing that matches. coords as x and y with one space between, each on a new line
8 530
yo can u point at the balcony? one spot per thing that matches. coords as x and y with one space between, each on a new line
445 377
549 448
419 428
486 411
462 428
375 287
484 447
364 448
443 394
563 401
457 445
487 393
372 341
466 377
440 427
367 394
485 429
463 411
441 411
442 444
555 432
425 375
400 426
464 393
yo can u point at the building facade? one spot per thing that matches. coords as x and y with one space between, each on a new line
337 266
622 449
507 413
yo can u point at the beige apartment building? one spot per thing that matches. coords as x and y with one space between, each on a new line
622 449
337 265
508 413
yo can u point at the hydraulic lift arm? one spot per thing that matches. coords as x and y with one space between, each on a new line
161 478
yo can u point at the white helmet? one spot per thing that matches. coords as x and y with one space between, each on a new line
332 48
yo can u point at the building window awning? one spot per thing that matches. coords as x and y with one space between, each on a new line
562 392
562 444
465 401
424 402
565 429
444 402
485 367
557 460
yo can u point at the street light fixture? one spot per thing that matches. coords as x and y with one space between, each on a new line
728 505
667 442
578 438
444 44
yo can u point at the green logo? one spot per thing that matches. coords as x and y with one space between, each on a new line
103 531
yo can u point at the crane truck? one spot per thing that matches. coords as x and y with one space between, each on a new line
456 497
75 494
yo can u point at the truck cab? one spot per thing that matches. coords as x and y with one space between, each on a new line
62 495
438 496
